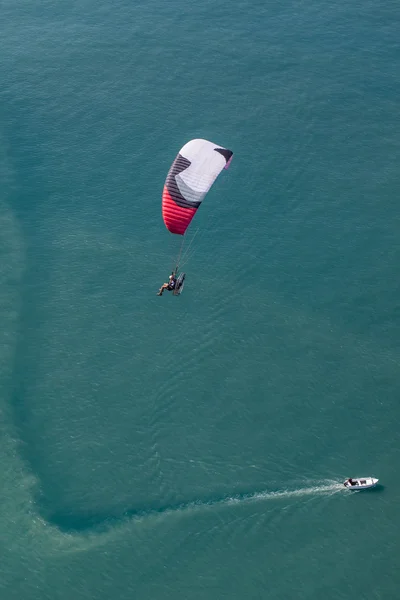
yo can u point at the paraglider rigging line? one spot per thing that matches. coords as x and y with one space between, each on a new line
179 256
183 258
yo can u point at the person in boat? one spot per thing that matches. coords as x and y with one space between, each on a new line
168 286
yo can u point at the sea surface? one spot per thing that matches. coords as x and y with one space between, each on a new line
193 448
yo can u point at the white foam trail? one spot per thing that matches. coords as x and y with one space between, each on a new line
326 489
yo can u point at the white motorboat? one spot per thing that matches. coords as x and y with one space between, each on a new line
361 483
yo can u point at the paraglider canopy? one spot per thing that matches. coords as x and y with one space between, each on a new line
190 177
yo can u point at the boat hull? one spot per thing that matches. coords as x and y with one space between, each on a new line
361 483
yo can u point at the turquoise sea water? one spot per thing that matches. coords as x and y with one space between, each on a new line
192 448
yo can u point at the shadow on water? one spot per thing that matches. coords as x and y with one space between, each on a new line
378 489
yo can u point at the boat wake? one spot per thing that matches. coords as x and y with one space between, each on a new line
76 522
325 488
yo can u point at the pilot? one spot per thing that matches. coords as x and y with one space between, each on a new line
168 286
